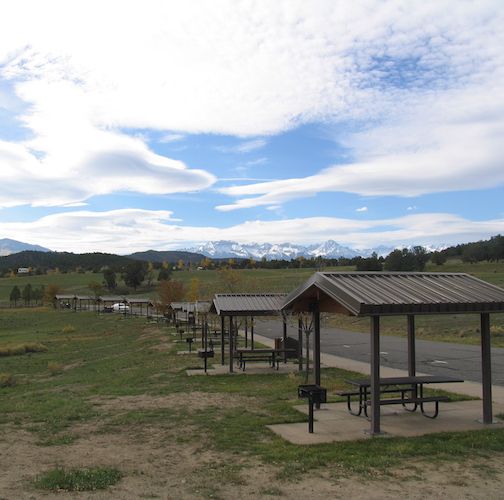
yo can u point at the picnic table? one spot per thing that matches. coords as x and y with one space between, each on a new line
399 390
272 356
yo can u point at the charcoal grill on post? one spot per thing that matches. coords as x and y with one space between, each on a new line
315 395
206 352
189 340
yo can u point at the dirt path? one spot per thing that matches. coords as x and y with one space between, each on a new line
156 465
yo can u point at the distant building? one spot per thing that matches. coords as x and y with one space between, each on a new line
23 270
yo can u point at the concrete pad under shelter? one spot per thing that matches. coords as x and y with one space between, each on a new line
334 423
252 369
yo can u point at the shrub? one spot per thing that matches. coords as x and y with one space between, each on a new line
68 329
20 349
54 368
7 380
78 479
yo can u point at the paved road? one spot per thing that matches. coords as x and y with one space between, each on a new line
436 358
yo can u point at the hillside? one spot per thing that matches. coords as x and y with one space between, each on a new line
62 260
167 256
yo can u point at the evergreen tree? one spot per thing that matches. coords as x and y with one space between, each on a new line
27 294
110 279
134 274
15 295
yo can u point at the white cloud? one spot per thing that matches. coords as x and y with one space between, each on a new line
128 230
249 69
361 209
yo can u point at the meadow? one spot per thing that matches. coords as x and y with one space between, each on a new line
107 401
448 328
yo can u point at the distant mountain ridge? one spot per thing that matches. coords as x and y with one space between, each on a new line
171 256
8 247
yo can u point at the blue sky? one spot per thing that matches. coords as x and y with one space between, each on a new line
368 123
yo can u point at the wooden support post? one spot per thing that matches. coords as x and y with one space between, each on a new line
222 339
231 335
300 343
486 368
375 375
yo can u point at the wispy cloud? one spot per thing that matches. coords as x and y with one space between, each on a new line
168 138
243 147
361 209
128 230
423 86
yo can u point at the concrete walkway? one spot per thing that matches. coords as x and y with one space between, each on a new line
329 360
433 358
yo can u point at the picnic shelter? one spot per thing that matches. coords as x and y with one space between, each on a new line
376 294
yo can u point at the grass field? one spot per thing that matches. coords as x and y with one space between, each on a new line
449 328
110 396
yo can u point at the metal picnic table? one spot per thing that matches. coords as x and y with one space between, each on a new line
404 391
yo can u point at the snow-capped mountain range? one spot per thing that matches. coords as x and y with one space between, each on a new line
287 251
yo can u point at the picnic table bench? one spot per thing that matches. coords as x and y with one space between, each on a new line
272 356
401 390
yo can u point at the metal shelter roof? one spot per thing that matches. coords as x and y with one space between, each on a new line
139 301
113 298
177 306
248 304
378 293
64 297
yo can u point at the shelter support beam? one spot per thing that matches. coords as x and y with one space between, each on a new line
246 332
222 339
284 336
231 335
300 343
252 332
486 368
375 375
316 343
411 346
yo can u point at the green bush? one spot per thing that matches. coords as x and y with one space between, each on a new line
78 479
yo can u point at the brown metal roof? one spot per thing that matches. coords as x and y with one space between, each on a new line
377 293
248 304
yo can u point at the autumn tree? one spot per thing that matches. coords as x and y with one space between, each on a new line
149 275
50 293
170 291
194 290
229 280
96 288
